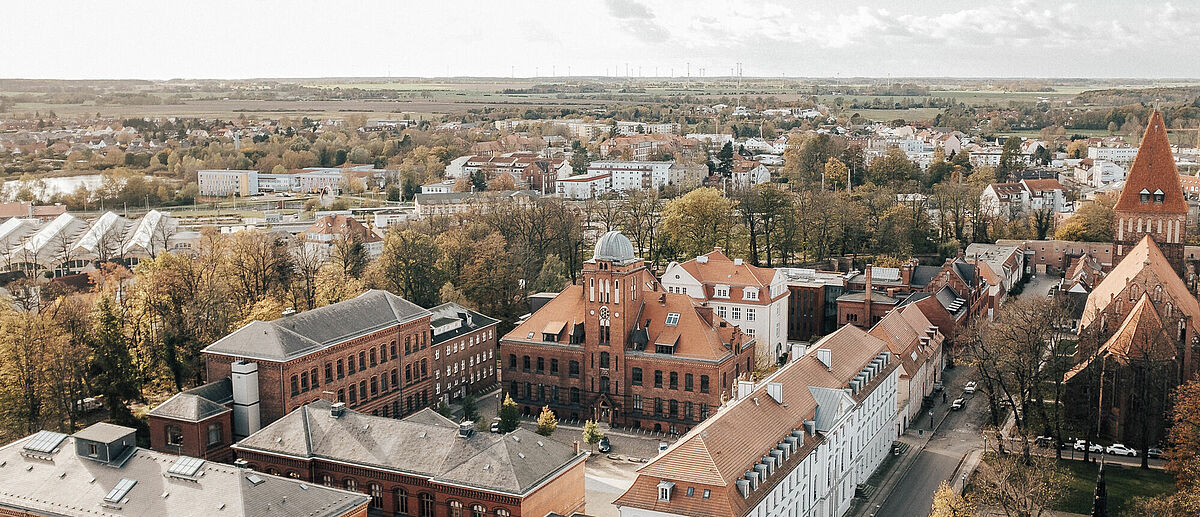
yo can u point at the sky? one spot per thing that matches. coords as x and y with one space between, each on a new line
165 39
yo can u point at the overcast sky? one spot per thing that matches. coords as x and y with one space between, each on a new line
161 39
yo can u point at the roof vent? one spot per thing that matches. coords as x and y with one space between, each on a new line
254 479
737 261
337 409
702 259
466 429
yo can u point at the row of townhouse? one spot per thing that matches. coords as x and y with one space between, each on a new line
243 183
1016 199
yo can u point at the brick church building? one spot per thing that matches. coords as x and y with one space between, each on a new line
1138 334
620 349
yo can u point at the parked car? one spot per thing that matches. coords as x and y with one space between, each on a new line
970 387
1043 441
496 425
1080 445
1154 452
957 404
1119 449
662 446
604 446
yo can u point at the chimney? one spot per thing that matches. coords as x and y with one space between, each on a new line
906 272
576 445
706 313
29 208
662 299
867 298
337 409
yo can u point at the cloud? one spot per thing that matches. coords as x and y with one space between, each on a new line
637 20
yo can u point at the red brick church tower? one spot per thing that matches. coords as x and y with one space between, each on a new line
1152 201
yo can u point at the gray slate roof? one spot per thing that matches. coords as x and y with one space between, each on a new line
449 312
189 407
294 336
35 485
423 444
922 275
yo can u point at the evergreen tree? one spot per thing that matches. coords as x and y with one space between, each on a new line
510 416
546 422
470 408
113 373
725 160
444 409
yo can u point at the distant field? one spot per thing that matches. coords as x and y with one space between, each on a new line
909 115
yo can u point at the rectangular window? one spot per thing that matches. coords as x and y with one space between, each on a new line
722 312
554 367
525 363
541 365
295 385
657 378
749 314
350 364
353 396
687 382
674 380
672 319
637 402
383 353
303 381
312 374
658 406
362 360
574 369
703 384
395 375
393 349
374 386
328 373
637 376
737 313
687 410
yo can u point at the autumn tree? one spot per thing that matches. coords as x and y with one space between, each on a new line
1092 222
1017 486
546 422
407 267
112 369
1182 458
948 503
698 221
592 434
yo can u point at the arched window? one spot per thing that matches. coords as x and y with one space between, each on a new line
327 480
501 512
350 484
1158 293
273 471
293 474
376 495
401 501
477 510
426 509
455 509
174 436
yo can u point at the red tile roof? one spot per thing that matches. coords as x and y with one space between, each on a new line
1153 169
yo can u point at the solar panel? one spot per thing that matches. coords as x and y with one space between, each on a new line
118 492
45 442
186 466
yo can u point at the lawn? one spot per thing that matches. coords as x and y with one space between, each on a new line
1124 484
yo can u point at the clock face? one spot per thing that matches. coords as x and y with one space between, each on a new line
604 313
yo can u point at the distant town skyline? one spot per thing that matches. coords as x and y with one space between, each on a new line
528 38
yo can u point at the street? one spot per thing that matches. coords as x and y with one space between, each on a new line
958 432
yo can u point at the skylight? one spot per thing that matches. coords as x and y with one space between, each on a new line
672 319
44 442
117 494
186 466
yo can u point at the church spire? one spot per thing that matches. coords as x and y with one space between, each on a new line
1152 185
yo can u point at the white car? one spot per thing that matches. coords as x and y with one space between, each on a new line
970 387
1119 449
1080 445
957 404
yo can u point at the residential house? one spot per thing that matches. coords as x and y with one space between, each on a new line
753 298
321 236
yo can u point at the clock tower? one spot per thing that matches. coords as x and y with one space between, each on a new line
612 303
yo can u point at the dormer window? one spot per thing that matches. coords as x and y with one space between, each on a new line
1144 195
721 291
672 319
751 293
1158 196
664 490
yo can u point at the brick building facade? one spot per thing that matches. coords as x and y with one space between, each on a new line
377 353
618 348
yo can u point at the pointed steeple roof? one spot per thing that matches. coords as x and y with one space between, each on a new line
1153 170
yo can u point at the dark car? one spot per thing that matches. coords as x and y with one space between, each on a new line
604 445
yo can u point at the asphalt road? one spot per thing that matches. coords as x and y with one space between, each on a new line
958 434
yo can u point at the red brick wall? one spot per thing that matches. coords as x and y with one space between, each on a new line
195 437
806 311
475 356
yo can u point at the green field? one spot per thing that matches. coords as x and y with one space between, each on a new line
1124 484
909 115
